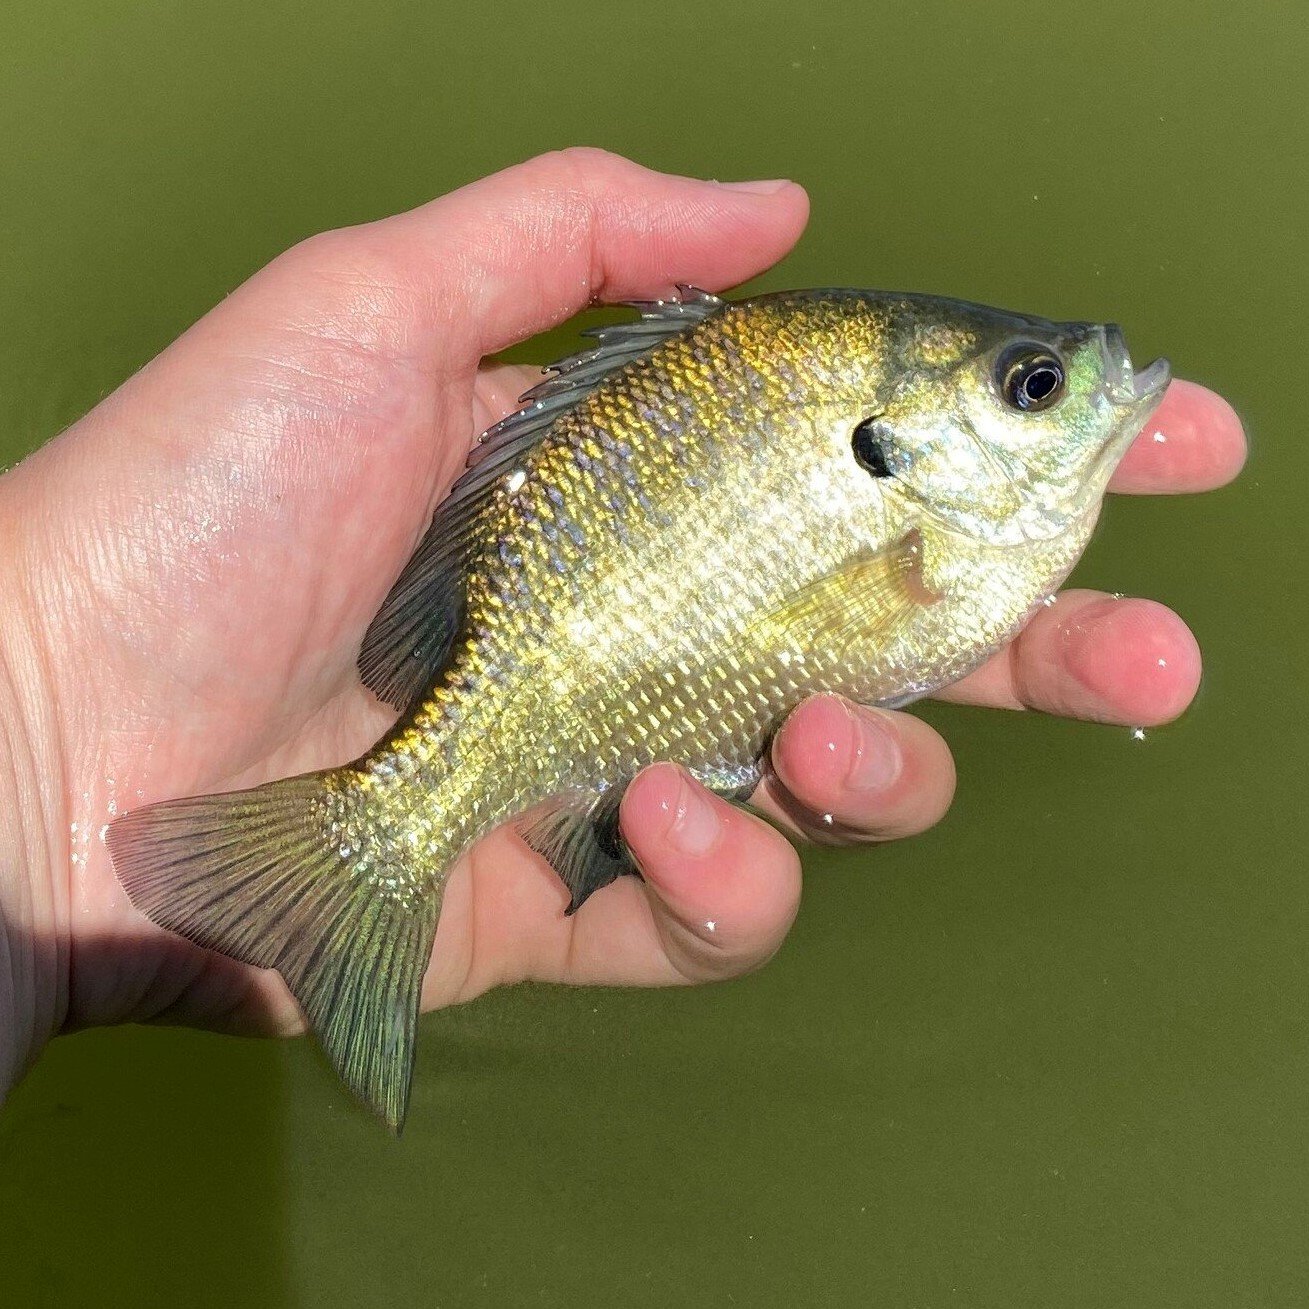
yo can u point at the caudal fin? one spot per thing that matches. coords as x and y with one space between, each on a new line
257 875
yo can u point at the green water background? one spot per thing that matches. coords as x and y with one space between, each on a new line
1053 1052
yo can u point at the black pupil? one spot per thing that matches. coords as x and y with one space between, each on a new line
1030 376
1041 382
868 451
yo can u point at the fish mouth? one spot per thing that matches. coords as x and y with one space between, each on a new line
1124 385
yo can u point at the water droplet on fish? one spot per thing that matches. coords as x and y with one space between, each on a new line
516 480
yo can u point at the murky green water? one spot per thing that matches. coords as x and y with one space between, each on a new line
1053 1053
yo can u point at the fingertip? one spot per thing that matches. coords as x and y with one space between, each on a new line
815 748
667 817
1195 441
785 202
727 884
1136 657
870 772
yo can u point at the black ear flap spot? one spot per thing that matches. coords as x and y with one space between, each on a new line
869 441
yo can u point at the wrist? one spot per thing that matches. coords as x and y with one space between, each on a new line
33 835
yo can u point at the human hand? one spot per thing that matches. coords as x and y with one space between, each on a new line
195 562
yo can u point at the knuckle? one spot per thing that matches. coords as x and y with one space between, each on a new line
350 262
583 163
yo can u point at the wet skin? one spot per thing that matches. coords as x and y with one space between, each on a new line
199 556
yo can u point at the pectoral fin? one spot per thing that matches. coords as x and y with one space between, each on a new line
870 594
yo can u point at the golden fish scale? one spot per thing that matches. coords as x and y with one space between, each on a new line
619 611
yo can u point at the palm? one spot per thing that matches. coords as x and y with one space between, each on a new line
291 579
261 682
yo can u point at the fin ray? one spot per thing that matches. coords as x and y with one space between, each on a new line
254 874
577 835
877 591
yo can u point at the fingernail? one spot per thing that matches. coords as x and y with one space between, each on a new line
875 758
693 823
770 187
1087 653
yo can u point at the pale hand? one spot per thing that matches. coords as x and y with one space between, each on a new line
189 571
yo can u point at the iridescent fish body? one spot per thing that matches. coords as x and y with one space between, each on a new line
718 510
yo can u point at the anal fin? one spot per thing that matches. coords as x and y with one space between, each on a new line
577 834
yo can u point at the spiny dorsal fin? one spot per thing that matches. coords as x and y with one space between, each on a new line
409 640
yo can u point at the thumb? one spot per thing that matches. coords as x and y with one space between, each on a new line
359 322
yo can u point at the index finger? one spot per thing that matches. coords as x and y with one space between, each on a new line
1194 442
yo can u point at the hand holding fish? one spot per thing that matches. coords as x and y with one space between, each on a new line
195 564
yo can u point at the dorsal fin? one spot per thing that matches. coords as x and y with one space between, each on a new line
409 640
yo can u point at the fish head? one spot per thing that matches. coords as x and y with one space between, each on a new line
1002 426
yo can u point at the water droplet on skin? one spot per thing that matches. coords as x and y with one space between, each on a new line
1159 438
711 926
828 820
1138 734
1163 663
1050 601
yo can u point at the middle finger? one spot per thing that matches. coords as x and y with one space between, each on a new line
842 772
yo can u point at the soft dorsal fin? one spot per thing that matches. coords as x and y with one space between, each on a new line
409 640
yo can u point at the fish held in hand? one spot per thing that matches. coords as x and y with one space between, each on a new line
715 511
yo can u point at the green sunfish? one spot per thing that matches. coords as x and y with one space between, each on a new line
716 511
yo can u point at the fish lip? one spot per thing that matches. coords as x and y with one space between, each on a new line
1125 385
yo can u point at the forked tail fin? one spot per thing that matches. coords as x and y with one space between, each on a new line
257 875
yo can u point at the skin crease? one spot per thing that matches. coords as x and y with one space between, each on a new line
197 559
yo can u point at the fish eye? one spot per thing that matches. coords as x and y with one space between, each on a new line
1030 377
869 453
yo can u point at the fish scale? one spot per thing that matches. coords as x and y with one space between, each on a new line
697 522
